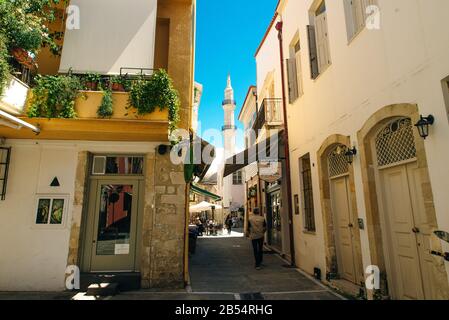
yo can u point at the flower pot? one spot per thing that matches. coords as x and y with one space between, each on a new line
118 87
23 57
92 86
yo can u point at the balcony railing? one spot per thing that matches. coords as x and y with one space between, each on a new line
227 102
225 128
270 114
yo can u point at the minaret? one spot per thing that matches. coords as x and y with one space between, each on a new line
229 127
229 132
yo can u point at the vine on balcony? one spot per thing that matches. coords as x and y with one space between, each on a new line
106 109
158 92
54 97
4 66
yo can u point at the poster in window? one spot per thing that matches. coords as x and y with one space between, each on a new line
57 210
43 210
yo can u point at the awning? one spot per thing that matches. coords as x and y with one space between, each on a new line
16 122
201 169
204 206
268 150
108 45
197 190
199 157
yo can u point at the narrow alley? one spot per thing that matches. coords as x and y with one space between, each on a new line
225 266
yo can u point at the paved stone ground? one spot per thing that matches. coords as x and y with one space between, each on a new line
221 269
226 265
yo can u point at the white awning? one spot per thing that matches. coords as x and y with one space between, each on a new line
13 122
112 34
204 206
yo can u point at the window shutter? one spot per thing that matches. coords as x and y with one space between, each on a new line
322 43
312 52
349 19
292 81
299 73
358 14
365 4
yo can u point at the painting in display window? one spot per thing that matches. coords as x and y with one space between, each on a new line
50 211
43 210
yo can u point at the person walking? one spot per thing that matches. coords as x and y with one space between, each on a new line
200 226
229 224
257 226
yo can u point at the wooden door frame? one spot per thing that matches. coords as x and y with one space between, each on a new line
86 258
86 164
386 234
328 221
374 222
337 233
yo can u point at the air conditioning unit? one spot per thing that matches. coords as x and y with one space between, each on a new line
99 165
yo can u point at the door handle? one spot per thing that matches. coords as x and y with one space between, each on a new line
350 225
416 230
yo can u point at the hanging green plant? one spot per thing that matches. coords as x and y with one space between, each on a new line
158 92
4 66
54 97
106 110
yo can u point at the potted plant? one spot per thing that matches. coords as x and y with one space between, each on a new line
119 83
106 110
158 92
92 81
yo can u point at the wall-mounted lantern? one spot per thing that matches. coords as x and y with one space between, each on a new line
349 154
423 125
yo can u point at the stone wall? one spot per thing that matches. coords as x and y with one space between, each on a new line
78 207
164 226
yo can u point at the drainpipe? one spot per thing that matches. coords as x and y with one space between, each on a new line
279 26
259 189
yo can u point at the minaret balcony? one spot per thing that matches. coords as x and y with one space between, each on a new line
270 114
228 102
228 127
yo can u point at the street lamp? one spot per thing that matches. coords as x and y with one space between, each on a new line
349 154
423 125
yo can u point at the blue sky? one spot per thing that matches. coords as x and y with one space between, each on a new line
228 34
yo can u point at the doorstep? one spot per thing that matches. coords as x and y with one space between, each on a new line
346 288
126 281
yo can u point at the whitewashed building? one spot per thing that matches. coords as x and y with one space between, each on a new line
369 190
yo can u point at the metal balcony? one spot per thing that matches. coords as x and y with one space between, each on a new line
270 114
225 128
228 102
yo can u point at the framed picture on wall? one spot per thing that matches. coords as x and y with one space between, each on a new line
51 210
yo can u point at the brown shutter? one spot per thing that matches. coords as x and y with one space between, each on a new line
292 81
314 71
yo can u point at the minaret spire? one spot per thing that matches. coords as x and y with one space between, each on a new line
229 81
229 91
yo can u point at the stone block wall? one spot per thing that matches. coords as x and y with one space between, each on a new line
164 226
